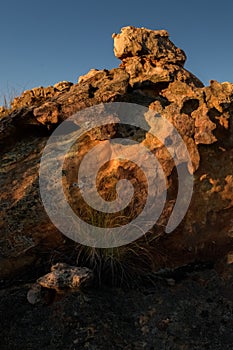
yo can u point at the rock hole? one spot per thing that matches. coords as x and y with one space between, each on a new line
91 91
190 106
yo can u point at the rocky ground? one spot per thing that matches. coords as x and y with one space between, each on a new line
185 310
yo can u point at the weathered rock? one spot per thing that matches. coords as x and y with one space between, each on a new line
62 279
63 85
144 74
144 42
90 74
151 74
151 59
38 95
3 111
47 114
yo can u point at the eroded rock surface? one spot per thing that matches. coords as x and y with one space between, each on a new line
151 74
62 279
133 42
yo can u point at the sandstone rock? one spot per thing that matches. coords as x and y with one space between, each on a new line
39 94
151 59
30 97
140 42
144 72
3 110
62 279
90 74
151 74
47 114
63 85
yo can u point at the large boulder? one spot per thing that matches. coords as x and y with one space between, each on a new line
152 75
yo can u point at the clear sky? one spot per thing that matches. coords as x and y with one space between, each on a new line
46 41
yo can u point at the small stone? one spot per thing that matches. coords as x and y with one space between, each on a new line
64 277
34 294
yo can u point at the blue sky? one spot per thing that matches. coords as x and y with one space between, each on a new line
46 41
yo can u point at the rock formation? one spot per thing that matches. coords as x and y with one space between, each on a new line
151 74
62 279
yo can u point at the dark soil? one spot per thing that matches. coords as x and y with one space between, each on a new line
193 313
